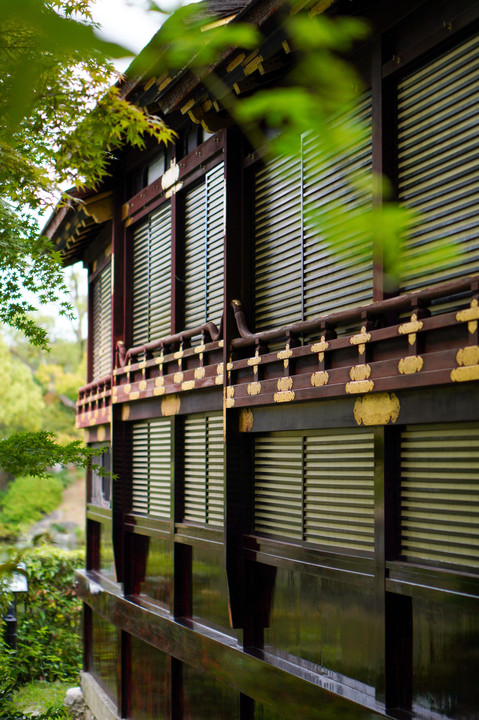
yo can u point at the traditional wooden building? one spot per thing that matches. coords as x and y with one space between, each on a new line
293 530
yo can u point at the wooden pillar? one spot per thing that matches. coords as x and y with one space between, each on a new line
235 473
393 612
121 486
120 306
383 150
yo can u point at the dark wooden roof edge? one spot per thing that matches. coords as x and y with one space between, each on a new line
60 212
72 227
255 12
55 220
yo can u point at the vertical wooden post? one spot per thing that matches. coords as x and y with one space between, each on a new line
121 487
397 608
182 554
87 637
380 449
233 285
120 305
394 612
383 150
93 545
124 694
177 263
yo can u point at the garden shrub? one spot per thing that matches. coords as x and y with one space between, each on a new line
26 501
48 633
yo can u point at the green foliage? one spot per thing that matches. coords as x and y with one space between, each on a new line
35 453
22 404
26 501
48 639
318 98
53 72
38 697
188 38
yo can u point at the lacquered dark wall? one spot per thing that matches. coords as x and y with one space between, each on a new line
204 698
107 562
105 654
324 622
151 682
159 572
446 659
210 589
263 712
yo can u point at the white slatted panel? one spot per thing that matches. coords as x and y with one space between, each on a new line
160 273
278 244
215 471
195 257
278 478
339 489
152 277
195 469
289 254
101 343
341 278
215 222
438 159
140 462
141 283
204 470
160 468
440 493
204 240
151 468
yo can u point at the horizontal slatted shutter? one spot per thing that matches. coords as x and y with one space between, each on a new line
204 470
278 469
290 259
141 284
440 493
215 470
160 468
140 463
152 277
160 273
278 240
318 488
340 278
151 468
339 489
438 153
101 341
195 468
204 239
215 224
195 257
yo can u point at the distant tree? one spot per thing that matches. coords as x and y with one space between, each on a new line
22 403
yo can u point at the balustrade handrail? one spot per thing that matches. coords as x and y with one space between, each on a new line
416 300
96 383
123 356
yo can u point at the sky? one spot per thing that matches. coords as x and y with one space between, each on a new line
128 23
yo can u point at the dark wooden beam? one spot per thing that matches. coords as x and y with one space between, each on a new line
300 694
